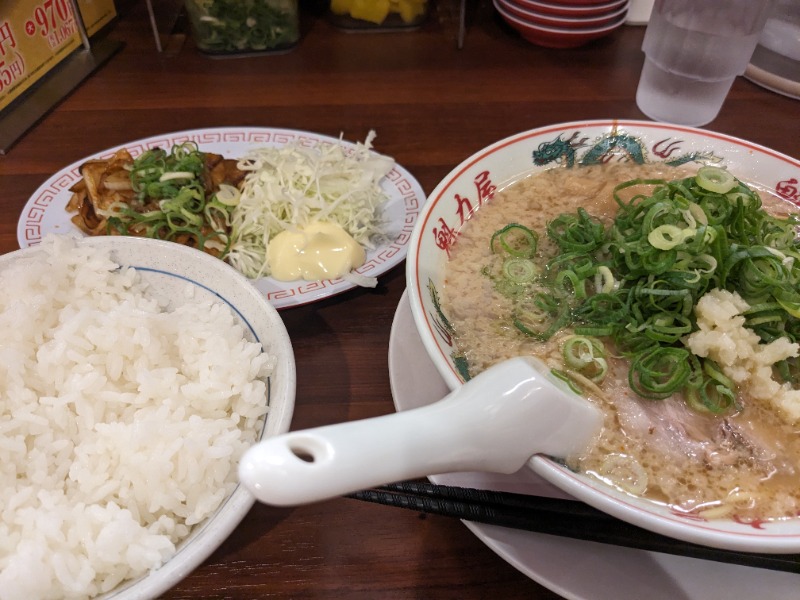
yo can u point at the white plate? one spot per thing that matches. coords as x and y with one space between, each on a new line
574 569
45 210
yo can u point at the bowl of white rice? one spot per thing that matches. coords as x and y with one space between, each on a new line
133 375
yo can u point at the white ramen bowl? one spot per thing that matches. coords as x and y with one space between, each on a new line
473 183
169 268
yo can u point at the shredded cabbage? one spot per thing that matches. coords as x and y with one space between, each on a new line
289 187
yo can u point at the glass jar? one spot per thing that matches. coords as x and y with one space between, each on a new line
244 27
378 15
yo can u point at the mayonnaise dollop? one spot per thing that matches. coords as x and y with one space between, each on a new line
319 251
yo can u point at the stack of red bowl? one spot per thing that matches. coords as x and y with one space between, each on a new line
563 23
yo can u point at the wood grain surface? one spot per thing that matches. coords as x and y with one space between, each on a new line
432 105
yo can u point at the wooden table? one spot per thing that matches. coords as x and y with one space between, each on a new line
432 105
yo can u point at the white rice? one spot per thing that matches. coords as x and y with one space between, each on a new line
121 421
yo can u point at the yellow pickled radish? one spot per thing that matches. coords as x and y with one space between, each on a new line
374 11
410 10
341 7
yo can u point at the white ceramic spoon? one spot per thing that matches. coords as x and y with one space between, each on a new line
495 422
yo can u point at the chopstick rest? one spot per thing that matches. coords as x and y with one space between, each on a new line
566 518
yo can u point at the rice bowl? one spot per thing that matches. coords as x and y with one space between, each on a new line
128 396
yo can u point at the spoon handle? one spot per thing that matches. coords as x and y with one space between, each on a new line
495 422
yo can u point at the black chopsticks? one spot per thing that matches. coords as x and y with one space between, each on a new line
567 518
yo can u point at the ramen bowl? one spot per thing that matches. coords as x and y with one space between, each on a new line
470 186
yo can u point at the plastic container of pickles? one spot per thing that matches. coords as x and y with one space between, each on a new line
243 27
378 15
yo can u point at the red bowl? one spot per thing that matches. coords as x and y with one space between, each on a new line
578 2
556 37
575 22
563 9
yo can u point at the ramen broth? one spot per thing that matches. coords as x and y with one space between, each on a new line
744 464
